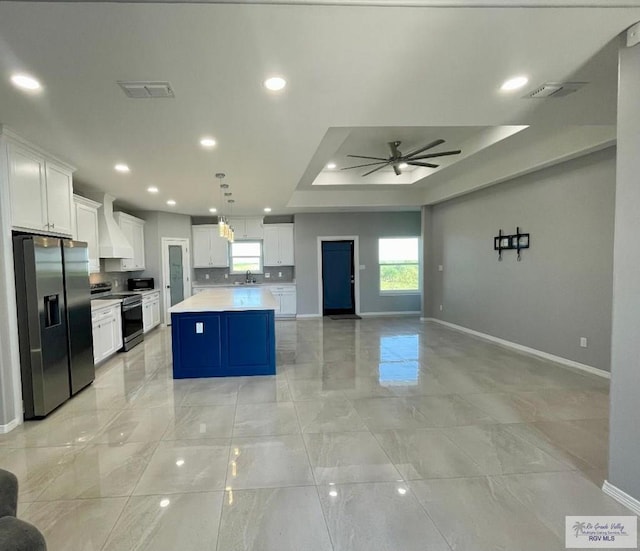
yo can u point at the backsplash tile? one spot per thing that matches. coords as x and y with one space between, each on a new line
217 276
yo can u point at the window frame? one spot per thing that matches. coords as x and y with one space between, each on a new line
418 291
260 258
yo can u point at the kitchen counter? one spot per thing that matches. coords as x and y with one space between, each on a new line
273 283
145 292
225 331
228 299
98 304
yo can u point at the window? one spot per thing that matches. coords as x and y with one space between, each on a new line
246 255
399 265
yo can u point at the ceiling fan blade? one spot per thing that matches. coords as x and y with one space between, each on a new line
364 157
374 170
433 155
397 170
360 166
428 146
428 165
393 147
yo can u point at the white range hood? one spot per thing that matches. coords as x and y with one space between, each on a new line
113 243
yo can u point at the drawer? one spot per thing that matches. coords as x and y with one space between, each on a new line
102 314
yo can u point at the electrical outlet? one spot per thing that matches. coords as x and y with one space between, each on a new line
226 276
441 307
583 342
279 274
116 283
267 275
440 267
206 276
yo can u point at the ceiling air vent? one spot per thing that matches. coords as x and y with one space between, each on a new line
146 90
555 90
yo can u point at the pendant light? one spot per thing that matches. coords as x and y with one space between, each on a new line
222 222
231 236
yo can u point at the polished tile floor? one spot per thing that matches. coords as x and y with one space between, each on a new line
379 434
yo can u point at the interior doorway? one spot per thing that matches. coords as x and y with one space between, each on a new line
176 270
338 275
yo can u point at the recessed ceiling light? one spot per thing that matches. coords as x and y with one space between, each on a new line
402 166
213 209
26 82
207 142
514 83
267 209
152 189
275 84
171 202
164 502
122 168
331 166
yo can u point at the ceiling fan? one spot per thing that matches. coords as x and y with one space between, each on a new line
396 158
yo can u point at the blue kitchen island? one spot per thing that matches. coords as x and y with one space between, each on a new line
224 332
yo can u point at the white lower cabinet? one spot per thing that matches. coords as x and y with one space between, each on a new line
285 296
107 332
150 311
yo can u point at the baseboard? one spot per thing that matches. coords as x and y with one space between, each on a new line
621 497
398 313
307 316
526 349
9 426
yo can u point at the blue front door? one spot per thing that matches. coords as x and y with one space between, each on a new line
338 278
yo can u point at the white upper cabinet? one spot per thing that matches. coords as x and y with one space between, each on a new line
133 230
28 190
59 199
209 249
278 245
247 228
86 229
41 191
201 246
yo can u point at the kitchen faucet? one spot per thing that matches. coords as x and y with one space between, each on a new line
247 278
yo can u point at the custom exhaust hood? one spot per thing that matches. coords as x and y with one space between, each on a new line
113 243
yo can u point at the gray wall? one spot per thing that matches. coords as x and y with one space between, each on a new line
561 290
624 444
369 227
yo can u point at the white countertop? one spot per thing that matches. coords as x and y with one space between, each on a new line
228 299
250 285
145 291
99 304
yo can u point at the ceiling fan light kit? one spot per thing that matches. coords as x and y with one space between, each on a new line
398 161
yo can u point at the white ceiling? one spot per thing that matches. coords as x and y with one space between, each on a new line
358 76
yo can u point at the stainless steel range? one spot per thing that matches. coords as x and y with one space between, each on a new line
132 324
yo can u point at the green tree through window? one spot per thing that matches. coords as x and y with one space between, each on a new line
399 263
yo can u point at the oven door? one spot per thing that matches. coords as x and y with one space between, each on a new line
132 325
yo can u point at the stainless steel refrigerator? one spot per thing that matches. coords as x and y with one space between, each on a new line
54 320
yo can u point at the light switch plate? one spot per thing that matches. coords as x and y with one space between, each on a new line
440 267
199 327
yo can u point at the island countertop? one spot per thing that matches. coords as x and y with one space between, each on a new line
227 299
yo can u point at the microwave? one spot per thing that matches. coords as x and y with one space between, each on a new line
140 283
